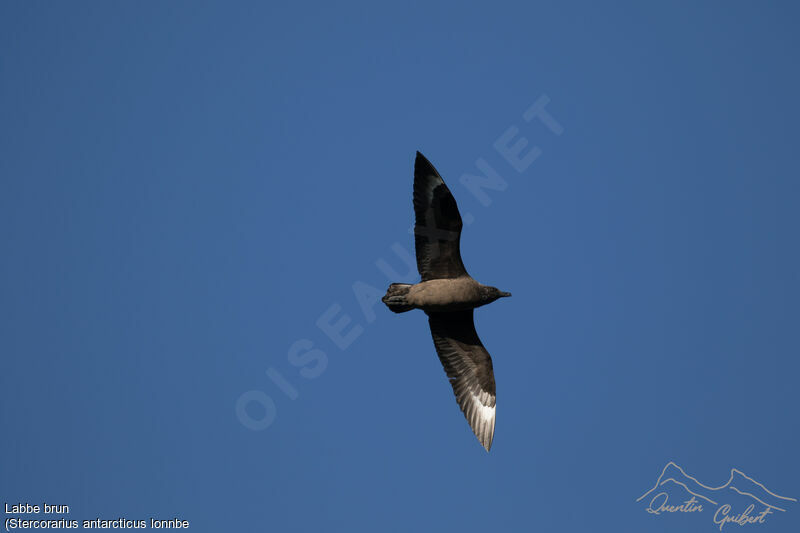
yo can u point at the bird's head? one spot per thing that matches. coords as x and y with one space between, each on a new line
490 294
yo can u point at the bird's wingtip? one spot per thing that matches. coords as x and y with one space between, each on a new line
421 164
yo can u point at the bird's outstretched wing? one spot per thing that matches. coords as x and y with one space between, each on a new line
437 227
469 367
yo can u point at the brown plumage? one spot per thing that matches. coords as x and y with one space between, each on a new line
448 294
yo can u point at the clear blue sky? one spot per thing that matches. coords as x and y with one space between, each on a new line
186 188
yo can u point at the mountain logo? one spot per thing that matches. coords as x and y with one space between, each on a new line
741 500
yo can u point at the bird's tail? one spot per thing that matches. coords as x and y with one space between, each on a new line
395 298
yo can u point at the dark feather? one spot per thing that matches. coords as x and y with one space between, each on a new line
437 228
469 367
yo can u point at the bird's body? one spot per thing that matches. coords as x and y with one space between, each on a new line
445 295
448 295
442 295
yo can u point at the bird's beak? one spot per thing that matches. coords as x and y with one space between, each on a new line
504 294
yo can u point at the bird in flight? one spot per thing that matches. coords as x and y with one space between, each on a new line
448 295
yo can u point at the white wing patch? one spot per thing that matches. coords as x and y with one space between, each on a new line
486 412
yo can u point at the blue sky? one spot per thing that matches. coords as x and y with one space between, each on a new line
188 187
